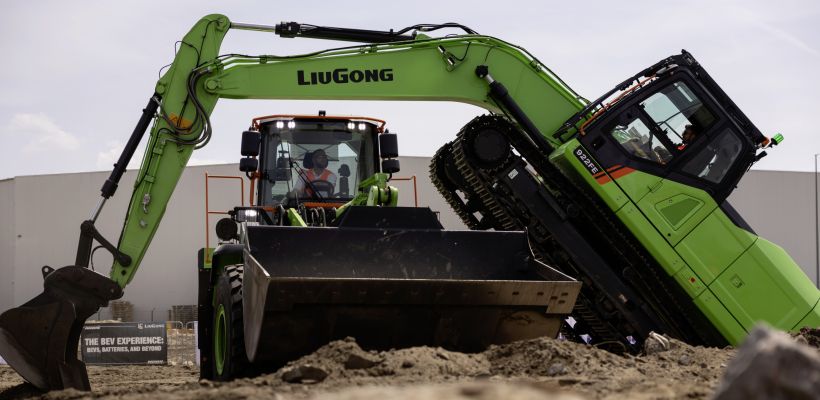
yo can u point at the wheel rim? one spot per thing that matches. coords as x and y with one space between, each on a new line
220 339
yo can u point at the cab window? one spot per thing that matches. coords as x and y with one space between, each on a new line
713 161
289 169
660 127
675 107
639 141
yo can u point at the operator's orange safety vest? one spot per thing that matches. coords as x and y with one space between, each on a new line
325 176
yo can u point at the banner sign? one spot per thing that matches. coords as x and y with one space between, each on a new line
137 343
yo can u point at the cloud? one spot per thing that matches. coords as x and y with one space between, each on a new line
107 158
43 133
788 38
206 161
761 21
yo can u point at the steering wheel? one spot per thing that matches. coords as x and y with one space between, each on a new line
321 186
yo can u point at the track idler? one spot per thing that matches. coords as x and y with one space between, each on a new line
39 339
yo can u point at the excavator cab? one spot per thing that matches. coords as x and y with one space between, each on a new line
678 125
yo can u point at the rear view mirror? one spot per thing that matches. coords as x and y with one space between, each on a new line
250 149
390 166
248 164
388 145
250 143
388 151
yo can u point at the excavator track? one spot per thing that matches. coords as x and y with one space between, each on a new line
588 320
661 291
594 314
447 187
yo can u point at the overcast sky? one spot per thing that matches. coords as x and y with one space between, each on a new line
76 74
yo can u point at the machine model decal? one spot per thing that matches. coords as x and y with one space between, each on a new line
585 159
344 75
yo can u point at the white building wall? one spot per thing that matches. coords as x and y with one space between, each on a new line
6 243
46 212
41 216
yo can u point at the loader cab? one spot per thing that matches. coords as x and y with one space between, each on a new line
678 125
291 145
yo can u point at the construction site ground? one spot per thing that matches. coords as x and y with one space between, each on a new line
540 368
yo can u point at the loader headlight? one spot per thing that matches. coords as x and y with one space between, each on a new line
226 229
247 215
280 124
291 124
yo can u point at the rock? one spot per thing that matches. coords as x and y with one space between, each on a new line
655 343
685 360
304 374
770 365
361 361
556 369
407 364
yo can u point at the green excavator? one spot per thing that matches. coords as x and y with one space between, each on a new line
626 193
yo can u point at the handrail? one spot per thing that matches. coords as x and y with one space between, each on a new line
208 211
415 187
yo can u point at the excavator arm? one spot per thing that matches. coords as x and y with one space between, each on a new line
420 69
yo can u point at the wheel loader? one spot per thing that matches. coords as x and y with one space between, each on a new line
325 253
626 193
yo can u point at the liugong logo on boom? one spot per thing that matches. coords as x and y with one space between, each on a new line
344 75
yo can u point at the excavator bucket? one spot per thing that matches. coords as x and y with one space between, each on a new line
39 339
392 278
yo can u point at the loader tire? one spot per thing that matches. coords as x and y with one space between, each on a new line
229 358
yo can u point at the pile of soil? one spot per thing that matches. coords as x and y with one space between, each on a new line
539 368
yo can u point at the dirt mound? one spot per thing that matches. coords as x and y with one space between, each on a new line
547 357
342 369
676 370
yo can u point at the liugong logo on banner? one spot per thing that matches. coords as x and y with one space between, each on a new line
140 343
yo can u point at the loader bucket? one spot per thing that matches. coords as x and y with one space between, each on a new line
392 278
39 339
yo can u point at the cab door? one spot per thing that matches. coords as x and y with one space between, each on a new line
642 145
672 182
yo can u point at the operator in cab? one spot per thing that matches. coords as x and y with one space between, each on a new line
317 175
690 133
